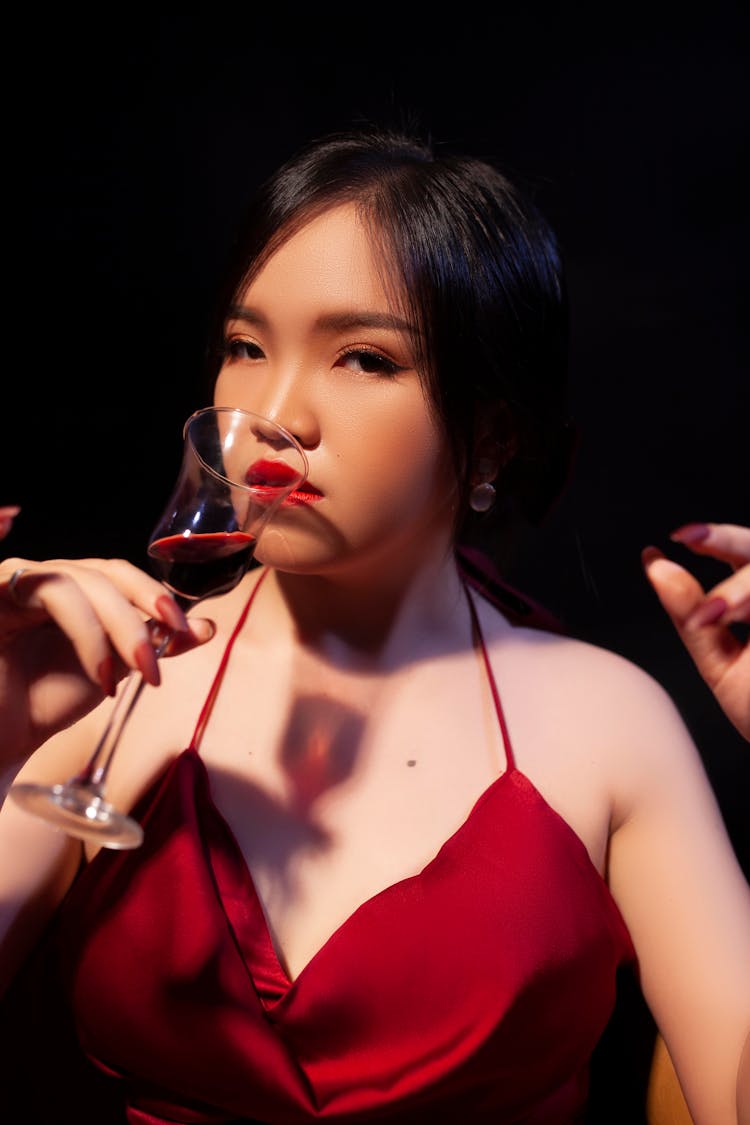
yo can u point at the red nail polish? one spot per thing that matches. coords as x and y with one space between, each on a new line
147 663
691 533
105 674
171 613
648 554
707 614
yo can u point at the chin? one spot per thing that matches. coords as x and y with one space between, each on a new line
296 554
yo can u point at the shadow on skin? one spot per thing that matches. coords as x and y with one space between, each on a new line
319 752
273 539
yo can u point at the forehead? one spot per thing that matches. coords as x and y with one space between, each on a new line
332 257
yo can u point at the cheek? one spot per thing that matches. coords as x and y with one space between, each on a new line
401 465
228 390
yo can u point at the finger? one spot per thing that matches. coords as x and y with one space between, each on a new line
97 606
11 570
735 593
143 591
137 587
7 514
679 592
725 541
95 603
38 598
699 620
200 630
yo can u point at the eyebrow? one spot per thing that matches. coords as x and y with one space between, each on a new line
341 321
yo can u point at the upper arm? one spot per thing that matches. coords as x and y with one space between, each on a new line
685 899
37 865
37 862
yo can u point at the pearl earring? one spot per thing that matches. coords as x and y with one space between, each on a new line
482 496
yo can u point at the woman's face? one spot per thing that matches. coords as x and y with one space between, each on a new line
318 344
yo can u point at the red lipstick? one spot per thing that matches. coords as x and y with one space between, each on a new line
273 476
270 474
307 494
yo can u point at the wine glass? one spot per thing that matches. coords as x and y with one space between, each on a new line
237 468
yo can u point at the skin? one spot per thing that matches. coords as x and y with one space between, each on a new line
702 619
303 351
357 660
8 513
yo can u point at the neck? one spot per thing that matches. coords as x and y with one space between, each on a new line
395 614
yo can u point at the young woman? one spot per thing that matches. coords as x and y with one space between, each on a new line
398 842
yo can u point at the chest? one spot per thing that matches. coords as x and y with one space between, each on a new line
337 786
501 952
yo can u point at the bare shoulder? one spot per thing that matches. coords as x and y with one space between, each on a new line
596 683
608 748
598 710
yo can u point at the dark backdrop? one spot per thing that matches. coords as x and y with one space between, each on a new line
130 147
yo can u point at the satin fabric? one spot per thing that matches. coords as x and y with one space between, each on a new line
475 990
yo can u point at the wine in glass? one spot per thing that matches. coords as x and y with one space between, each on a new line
237 468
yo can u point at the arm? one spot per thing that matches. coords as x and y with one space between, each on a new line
685 900
68 632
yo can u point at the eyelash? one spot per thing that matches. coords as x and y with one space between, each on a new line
230 347
372 362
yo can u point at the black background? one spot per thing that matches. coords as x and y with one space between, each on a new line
131 144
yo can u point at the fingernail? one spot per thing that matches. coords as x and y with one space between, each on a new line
171 613
691 533
650 554
105 674
658 567
148 665
707 614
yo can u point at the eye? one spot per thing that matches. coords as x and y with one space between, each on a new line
369 362
238 350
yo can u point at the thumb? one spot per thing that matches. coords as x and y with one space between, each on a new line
200 630
694 616
678 591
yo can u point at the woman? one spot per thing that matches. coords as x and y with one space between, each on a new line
459 827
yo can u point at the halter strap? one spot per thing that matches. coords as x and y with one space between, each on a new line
205 713
479 641
207 707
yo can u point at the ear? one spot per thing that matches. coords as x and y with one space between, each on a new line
495 443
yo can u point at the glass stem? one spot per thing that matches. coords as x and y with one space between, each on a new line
94 773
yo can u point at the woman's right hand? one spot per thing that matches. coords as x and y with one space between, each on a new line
69 630
8 513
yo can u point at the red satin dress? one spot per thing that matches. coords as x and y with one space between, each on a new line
474 991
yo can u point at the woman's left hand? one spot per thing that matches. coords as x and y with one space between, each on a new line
702 618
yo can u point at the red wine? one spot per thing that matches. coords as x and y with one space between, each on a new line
197 566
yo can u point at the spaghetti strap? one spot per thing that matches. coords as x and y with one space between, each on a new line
213 691
207 707
510 761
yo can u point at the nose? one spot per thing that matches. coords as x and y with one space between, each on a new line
295 415
273 434
283 398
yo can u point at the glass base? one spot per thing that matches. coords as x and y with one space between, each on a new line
78 810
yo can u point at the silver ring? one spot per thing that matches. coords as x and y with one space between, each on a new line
12 586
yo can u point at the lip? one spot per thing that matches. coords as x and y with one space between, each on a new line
308 494
270 476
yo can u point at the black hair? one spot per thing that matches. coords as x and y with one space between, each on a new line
481 273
